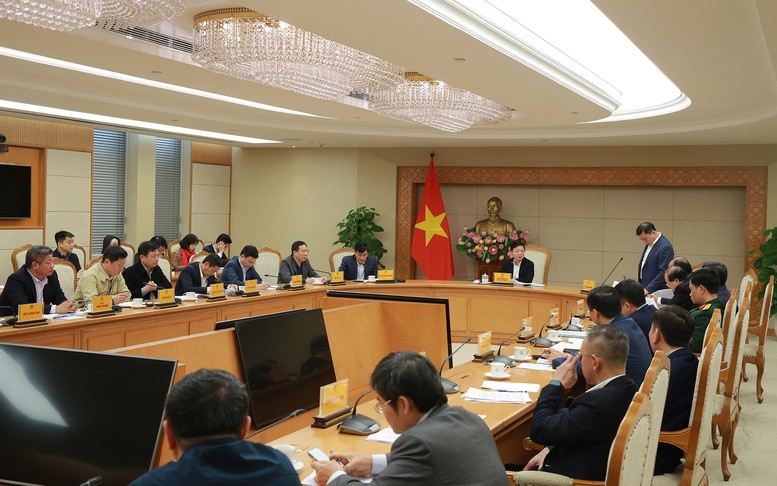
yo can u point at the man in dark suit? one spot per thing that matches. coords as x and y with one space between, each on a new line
145 277
655 257
676 278
219 247
633 304
206 421
361 264
580 435
522 269
35 282
65 243
198 276
241 268
671 332
297 264
439 444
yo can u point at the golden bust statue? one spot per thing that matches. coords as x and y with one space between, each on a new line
494 222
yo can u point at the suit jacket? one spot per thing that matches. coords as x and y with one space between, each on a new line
525 273
211 249
71 257
289 267
452 446
581 435
233 273
644 318
136 278
228 462
351 267
651 275
189 280
681 297
20 289
677 411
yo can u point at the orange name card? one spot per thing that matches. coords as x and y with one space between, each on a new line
501 277
588 285
296 280
526 322
333 397
554 313
30 312
165 296
101 303
484 342
580 307
338 277
385 274
216 289
251 285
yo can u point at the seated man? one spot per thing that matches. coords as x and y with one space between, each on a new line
671 332
704 293
297 264
197 276
522 269
439 444
579 436
219 247
604 307
241 268
145 276
633 304
724 294
360 265
65 242
35 282
105 278
676 277
206 421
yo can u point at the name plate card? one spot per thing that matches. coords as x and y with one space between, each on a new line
588 285
101 303
296 280
503 278
30 312
251 285
385 274
333 398
165 296
526 322
580 307
217 290
484 342
554 319
338 277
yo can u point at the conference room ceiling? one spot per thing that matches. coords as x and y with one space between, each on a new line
720 53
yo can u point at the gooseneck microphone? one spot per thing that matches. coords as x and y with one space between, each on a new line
357 423
540 341
280 285
506 360
296 412
448 385
322 271
613 269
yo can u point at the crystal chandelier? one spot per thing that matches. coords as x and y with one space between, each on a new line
61 15
126 14
248 45
433 103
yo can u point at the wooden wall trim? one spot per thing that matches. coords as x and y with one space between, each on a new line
42 134
209 153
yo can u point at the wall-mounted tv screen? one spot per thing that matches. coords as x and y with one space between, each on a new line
16 196
68 416
286 359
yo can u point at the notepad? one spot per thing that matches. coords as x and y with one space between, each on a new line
476 395
386 436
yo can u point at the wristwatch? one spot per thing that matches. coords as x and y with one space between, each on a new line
556 382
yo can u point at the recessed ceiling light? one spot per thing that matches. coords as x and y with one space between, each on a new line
156 72
174 120
459 59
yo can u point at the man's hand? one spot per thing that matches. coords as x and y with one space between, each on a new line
80 273
356 465
66 307
566 373
324 470
310 280
551 354
149 287
263 286
120 298
537 461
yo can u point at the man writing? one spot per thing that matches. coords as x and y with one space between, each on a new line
439 444
579 436
105 278
145 277
704 293
360 265
35 282
655 257
198 276
297 264
241 268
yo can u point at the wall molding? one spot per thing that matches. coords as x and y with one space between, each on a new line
21 132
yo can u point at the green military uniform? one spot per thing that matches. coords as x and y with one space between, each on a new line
702 316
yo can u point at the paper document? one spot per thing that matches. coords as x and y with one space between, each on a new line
524 284
386 436
311 480
475 395
511 387
573 334
535 366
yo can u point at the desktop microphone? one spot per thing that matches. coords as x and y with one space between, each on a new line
604 282
359 424
322 271
540 341
280 285
295 413
506 360
11 319
448 385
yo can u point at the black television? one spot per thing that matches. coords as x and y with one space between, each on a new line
67 416
286 360
16 196
230 324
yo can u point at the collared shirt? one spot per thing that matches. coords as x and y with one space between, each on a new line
143 290
359 271
96 282
516 269
245 271
647 252
39 284
604 383
203 278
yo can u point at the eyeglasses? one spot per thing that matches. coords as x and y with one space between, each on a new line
380 406
589 355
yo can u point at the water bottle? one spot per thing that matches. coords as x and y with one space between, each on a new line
484 278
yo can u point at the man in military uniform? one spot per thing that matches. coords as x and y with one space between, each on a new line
704 285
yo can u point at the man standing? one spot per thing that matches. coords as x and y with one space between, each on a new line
655 257
297 264
197 276
634 305
581 434
521 269
360 265
65 242
704 293
439 444
105 278
35 282
206 421
145 277
241 268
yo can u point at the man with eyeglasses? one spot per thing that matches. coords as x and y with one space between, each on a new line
439 444
579 436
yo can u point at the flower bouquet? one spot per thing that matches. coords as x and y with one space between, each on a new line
488 247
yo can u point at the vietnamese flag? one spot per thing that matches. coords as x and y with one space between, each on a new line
431 248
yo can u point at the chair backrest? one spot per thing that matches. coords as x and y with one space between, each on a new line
541 259
176 244
751 278
81 254
336 257
130 253
268 263
93 261
730 327
166 266
766 309
702 409
714 324
18 257
199 256
199 246
66 273
655 387
734 375
628 462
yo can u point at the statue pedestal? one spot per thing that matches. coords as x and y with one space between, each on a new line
488 268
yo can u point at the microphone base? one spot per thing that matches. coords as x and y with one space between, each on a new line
358 424
542 342
449 387
506 360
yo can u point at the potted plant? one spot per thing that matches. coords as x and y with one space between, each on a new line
359 225
766 264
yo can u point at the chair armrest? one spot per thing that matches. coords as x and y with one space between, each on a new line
678 438
530 445
541 478
585 482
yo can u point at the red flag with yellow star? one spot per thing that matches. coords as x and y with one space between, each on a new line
431 248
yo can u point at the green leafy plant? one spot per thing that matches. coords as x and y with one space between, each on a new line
359 225
766 264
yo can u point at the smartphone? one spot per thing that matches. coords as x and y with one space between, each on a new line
318 455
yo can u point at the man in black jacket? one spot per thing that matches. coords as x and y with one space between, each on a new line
198 276
36 281
145 277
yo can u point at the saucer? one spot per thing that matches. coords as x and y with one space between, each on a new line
297 465
497 377
526 358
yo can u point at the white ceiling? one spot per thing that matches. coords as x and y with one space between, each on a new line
720 53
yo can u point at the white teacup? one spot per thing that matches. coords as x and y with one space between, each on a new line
318 281
498 369
190 295
521 352
137 302
372 278
554 335
576 321
288 450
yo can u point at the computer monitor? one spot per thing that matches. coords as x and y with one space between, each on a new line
67 416
286 359
230 324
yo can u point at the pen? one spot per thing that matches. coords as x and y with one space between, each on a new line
332 452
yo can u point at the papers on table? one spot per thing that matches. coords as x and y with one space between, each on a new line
311 480
535 366
475 395
512 387
524 284
386 436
